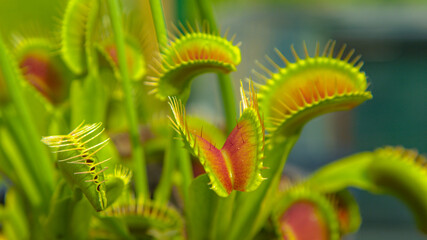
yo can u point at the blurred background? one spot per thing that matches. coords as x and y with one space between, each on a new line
390 35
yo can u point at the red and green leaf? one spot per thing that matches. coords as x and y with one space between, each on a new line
237 165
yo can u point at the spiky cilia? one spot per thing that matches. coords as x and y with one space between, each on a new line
191 54
237 165
78 162
310 87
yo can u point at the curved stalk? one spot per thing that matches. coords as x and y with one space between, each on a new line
140 172
224 80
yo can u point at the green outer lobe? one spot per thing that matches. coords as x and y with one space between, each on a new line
204 41
114 188
32 44
73 34
97 197
177 80
301 194
390 170
293 73
403 178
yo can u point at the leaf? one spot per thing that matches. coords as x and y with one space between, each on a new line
349 171
390 170
134 58
79 164
201 208
40 68
310 87
304 214
347 211
74 32
402 173
239 162
191 54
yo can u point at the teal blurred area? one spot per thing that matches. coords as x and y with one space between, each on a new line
391 36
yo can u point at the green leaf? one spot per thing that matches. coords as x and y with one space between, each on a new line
391 170
346 172
79 164
200 208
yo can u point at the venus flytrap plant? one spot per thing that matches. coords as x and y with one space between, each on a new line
81 194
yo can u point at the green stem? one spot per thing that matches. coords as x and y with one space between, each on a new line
254 207
140 172
228 100
185 168
159 22
184 162
225 82
40 162
163 189
222 217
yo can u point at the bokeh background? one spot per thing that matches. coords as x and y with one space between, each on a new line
390 35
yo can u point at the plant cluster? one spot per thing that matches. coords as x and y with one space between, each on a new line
215 182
